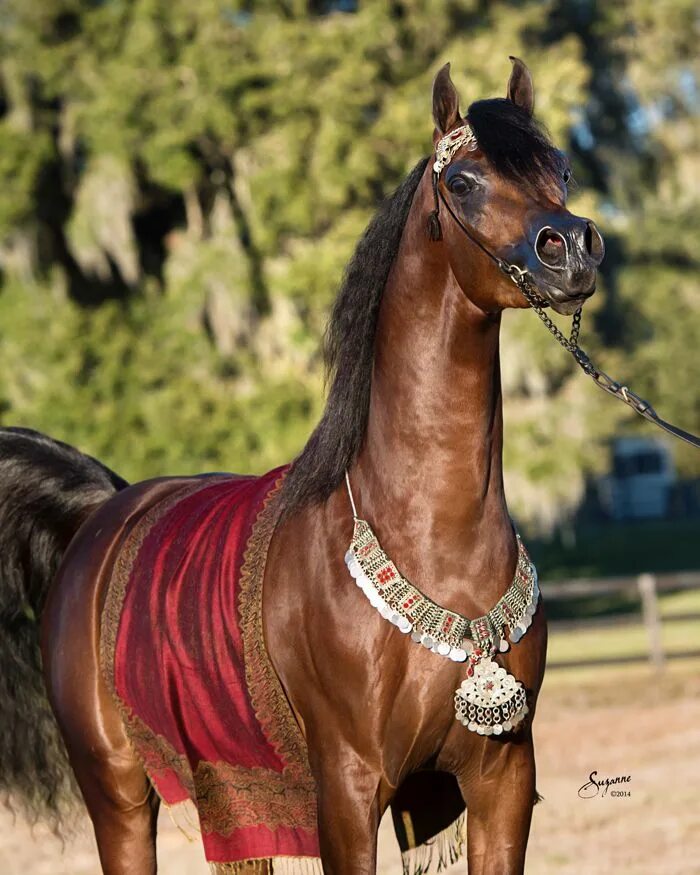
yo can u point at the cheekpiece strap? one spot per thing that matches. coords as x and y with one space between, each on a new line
450 143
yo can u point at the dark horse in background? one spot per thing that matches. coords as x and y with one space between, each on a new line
415 415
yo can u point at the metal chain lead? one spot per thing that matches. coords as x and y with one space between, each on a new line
600 378
569 343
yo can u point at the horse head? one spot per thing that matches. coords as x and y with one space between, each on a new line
504 185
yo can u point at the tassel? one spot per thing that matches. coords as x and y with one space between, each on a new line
434 227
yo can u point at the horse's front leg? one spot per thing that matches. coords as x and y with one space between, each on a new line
349 811
498 787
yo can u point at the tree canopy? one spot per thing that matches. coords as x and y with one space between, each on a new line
182 183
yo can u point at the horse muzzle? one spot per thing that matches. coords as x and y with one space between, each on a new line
563 259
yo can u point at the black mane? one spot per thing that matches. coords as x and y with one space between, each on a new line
349 353
517 147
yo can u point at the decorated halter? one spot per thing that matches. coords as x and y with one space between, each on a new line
489 701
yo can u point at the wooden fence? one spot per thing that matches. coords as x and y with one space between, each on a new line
646 587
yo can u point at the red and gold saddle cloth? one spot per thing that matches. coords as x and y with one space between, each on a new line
182 648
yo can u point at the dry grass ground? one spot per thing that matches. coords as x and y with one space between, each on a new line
617 721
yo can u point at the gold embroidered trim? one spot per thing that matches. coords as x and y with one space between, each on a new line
227 797
268 698
231 797
121 571
157 754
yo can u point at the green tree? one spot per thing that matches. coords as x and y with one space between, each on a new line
181 185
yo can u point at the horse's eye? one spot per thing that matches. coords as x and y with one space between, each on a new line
461 185
567 176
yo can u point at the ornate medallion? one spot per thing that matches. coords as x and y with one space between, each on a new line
491 701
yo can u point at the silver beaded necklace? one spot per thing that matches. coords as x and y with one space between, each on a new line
489 701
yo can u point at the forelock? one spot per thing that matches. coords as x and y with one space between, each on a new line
516 145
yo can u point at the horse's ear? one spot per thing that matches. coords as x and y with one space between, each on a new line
520 88
445 101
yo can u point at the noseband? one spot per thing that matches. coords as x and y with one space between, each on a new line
445 151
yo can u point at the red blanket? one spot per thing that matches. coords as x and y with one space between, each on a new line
183 650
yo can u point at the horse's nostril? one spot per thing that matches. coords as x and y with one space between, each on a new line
550 240
550 247
594 243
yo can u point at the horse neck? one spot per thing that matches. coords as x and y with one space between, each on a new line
431 463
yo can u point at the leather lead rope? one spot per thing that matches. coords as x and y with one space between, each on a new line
600 378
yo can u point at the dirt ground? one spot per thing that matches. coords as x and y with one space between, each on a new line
615 721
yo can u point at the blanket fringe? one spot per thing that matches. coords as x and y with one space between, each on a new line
270 866
444 849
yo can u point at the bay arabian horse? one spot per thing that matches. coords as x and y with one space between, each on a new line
414 414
